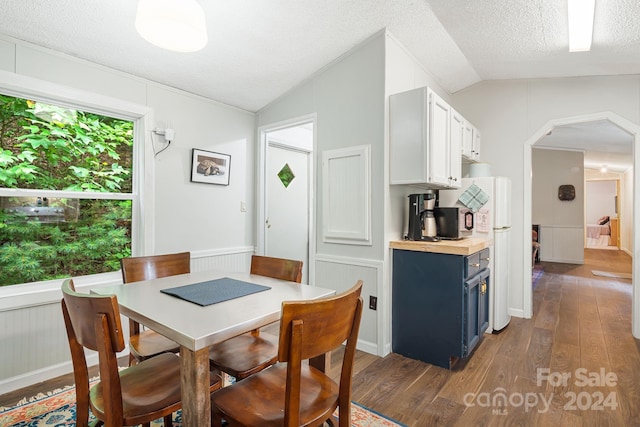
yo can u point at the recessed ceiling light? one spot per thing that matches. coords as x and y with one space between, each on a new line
177 25
581 14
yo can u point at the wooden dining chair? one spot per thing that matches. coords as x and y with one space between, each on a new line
135 395
144 344
293 393
254 351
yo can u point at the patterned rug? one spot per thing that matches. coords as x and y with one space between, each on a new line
536 274
58 409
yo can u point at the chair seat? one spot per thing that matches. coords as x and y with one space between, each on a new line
259 399
147 387
245 354
150 343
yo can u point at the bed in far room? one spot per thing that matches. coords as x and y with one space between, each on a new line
598 234
594 231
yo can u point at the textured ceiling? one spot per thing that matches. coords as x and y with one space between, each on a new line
605 144
258 50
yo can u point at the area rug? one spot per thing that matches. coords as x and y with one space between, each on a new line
536 274
612 274
58 408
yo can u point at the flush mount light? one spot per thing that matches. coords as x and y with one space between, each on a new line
177 25
581 14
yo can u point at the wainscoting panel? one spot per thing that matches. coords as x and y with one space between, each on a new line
341 274
33 340
562 244
235 260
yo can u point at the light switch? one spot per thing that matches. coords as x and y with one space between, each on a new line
243 206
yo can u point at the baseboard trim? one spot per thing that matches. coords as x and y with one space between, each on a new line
516 312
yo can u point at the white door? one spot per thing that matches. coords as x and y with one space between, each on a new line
287 205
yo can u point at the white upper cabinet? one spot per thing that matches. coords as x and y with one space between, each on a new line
455 148
420 131
476 144
439 140
471 143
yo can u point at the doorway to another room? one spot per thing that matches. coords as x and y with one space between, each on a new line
602 224
285 214
628 192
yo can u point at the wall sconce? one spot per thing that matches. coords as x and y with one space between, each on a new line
177 25
603 169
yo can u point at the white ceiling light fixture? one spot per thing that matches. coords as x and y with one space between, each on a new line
581 13
177 25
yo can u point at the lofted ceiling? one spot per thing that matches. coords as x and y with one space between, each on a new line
258 50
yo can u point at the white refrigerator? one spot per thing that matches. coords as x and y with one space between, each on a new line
492 221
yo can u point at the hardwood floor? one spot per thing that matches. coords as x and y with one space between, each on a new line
581 328
580 321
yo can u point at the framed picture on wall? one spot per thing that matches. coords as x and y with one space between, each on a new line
209 167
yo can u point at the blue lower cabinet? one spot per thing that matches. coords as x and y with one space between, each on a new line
440 307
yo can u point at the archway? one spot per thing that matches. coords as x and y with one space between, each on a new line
634 130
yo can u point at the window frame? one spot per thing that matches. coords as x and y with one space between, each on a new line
142 227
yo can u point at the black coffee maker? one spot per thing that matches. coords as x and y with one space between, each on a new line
422 223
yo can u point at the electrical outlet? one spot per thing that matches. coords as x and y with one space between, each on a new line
373 302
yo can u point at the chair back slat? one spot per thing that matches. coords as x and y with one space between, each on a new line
135 269
82 309
93 322
278 268
327 323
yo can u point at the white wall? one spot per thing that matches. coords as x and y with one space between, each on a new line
551 169
348 99
625 203
204 219
626 212
600 200
561 222
509 112
188 216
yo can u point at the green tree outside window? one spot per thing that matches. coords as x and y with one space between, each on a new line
48 147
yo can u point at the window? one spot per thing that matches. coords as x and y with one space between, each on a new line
69 204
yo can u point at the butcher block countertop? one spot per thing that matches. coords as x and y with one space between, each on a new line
466 246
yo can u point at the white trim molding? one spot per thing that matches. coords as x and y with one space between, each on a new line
634 130
346 195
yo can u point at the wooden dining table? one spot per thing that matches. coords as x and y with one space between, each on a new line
196 327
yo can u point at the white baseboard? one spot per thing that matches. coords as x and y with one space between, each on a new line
563 260
516 312
367 347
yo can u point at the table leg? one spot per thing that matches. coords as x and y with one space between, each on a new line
196 400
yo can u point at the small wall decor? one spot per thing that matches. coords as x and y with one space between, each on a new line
566 192
210 168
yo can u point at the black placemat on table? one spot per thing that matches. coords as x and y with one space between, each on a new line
215 291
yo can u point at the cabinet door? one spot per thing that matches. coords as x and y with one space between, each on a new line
477 140
476 304
455 149
439 140
467 140
471 333
483 303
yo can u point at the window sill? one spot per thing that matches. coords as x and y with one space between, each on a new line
41 293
